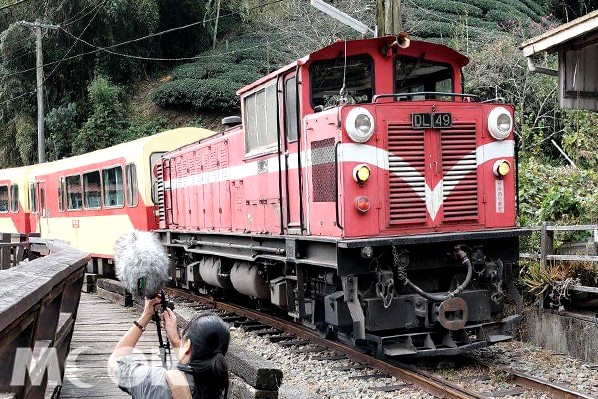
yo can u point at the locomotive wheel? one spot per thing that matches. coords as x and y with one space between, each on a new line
326 331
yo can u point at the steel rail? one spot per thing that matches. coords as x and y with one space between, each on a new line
535 383
433 385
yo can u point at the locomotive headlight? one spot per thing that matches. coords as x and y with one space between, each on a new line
360 125
361 174
500 123
501 168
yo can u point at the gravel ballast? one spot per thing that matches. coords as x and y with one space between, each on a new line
305 377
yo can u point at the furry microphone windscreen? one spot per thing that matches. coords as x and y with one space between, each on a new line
141 263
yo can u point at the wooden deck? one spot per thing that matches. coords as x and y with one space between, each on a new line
100 324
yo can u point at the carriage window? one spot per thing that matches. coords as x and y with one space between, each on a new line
290 108
91 188
131 173
32 197
61 196
74 197
261 113
414 75
113 187
327 80
14 198
4 199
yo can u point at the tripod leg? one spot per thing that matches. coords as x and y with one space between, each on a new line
163 348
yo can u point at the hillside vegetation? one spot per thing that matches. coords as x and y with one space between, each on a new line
121 69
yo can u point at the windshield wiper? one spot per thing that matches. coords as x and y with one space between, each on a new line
420 59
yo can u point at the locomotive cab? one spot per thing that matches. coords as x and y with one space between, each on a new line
365 194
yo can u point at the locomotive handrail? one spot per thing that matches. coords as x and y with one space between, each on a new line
424 93
336 208
171 193
187 244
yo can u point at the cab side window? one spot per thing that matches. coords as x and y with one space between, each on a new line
33 197
290 108
4 200
261 119
74 193
14 198
92 190
114 194
61 194
131 173
328 76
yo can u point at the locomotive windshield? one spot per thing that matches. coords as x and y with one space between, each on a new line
327 80
414 75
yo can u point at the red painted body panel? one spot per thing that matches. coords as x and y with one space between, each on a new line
422 181
19 219
141 216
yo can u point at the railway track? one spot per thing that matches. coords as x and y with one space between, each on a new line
288 334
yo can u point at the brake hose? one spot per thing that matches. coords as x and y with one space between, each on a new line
460 255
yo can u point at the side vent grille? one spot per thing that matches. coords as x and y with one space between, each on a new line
406 161
323 170
459 167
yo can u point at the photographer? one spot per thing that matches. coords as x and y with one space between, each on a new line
201 372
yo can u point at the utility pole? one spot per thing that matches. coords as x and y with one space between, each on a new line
389 17
39 63
216 25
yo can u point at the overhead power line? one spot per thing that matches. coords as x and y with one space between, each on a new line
16 3
97 10
156 34
19 43
139 57
17 97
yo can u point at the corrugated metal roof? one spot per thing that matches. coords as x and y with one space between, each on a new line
571 30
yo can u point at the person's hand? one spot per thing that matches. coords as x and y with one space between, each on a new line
149 308
171 327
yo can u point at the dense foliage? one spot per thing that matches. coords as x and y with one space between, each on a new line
80 76
210 83
196 71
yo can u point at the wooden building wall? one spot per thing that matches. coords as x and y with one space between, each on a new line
578 74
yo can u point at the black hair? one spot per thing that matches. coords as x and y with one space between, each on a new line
209 338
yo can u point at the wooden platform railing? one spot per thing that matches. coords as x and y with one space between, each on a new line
547 252
39 300
13 249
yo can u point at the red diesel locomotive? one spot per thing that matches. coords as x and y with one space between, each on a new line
363 193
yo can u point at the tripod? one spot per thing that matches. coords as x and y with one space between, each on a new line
164 346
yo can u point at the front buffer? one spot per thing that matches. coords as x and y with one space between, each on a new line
427 295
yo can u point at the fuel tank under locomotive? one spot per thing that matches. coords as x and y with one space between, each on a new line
416 300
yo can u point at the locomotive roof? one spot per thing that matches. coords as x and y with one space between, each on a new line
336 47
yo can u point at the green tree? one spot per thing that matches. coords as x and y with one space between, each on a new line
61 124
25 133
108 120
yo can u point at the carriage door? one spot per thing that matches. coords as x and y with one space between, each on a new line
292 157
43 211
